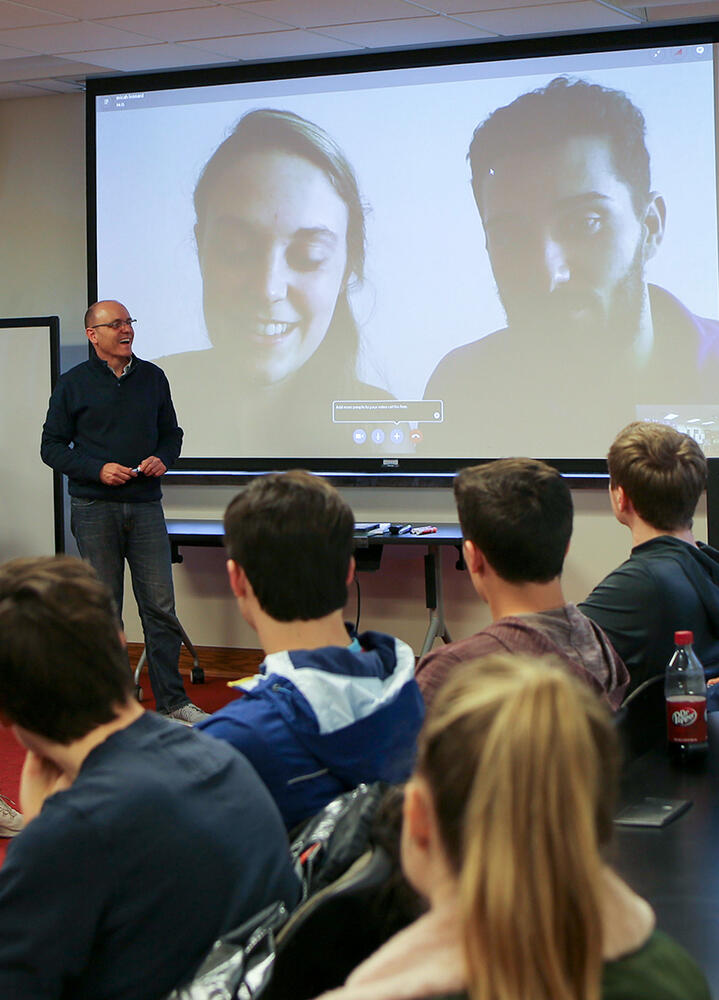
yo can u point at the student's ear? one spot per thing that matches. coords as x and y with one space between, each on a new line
238 579
351 571
619 498
655 217
622 506
417 829
415 813
473 556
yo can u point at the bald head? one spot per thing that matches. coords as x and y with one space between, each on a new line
104 310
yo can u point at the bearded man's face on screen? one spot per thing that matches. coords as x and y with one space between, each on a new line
566 242
272 244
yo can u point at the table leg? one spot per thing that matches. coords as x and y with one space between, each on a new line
433 590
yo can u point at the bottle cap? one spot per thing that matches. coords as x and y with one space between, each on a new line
683 638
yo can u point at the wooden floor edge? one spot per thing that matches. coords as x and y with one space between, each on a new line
216 661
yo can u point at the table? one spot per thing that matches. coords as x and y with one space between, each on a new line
677 867
368 554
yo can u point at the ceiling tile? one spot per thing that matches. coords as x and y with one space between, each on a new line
10 91
40 67
319 13
13 15
687 5
408 31
460 7
186 25
93 9
148 58
72 36
59 86
682 11
10 52
276 45
549 17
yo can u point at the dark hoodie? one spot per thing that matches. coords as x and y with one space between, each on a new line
665 585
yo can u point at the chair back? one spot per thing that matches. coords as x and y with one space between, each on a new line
332 932
641 719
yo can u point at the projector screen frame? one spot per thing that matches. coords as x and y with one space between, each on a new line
425 470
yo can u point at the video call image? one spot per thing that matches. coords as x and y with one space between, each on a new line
448 262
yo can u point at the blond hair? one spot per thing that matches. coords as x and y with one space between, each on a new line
522 763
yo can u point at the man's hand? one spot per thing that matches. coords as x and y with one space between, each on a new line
40 779
153 466
112 474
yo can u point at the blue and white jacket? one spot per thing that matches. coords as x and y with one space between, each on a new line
321 721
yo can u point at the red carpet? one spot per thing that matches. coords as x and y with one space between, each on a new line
208 696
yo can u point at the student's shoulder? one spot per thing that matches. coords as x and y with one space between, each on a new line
435 666
661 969
632 578
245 714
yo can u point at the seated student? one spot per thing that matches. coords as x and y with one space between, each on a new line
330 710
144 841
516 516
670 581
519 911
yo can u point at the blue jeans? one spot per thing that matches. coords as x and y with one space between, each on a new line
107 533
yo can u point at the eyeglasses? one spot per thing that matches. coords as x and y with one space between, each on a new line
116 324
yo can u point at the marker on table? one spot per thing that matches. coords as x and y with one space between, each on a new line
427 529
405 529
380 529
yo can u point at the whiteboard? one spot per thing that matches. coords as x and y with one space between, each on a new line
31 519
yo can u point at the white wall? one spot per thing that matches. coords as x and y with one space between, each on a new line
42 210
43 271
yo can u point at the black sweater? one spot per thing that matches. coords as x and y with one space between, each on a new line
665 585
94 417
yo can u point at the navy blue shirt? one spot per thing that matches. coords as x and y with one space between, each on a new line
94 417
117 890
665 585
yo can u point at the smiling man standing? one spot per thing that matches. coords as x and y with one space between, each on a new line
111 429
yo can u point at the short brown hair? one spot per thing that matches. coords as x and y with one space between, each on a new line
293 535
63 667
519 512
662 472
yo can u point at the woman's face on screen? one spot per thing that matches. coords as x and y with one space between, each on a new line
272 245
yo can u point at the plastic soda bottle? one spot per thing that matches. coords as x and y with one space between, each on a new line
685 691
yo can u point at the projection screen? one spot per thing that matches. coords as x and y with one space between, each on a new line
323 273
